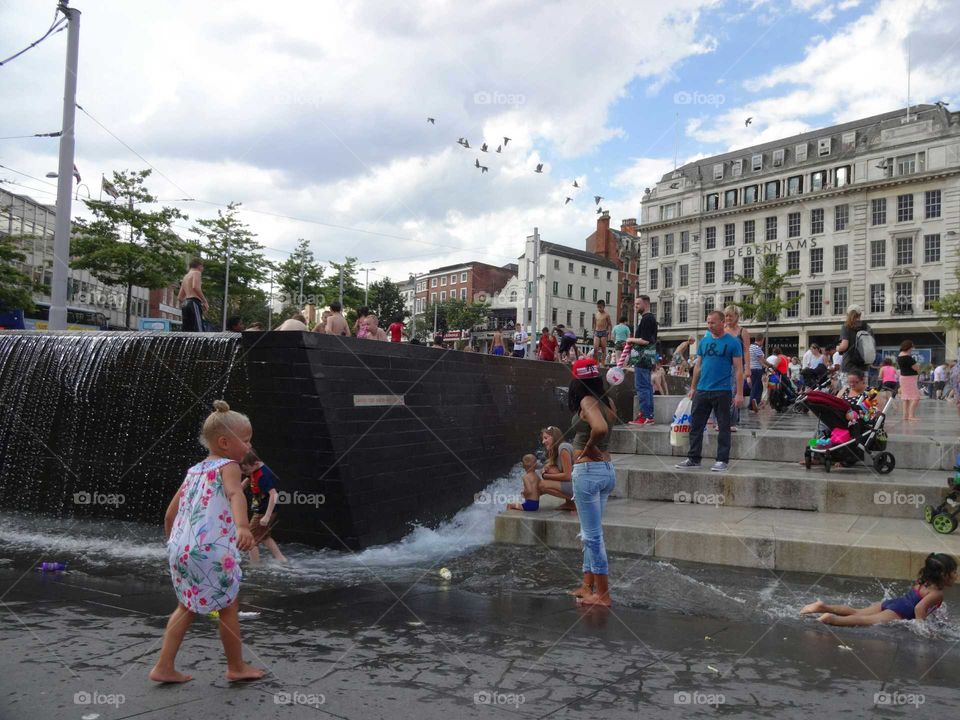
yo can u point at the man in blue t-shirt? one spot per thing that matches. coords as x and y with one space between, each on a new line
719 360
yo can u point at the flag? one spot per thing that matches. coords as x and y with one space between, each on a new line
76 173
109 188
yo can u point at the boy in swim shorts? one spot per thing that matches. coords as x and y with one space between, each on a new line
531 486
602 325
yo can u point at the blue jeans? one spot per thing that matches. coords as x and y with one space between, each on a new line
644 386
756 385
592 484
705 401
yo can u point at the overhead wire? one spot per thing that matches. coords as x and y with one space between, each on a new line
55 27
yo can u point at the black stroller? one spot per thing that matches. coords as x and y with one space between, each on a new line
866 436
782 393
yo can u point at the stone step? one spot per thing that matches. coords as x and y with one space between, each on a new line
777 540
757 484
773 444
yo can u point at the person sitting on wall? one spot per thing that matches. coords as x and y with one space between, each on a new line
359 329
321 327
371 325
438 341
297 322
235 324
658 377
254 327
336 323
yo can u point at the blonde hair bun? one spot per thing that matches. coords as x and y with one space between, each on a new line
221 406
222 421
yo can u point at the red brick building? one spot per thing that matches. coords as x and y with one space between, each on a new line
163 304
464 281
622 247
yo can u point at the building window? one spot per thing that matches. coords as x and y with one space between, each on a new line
878 253
818 180
668 244
840 258
463 277
878 214
453 279
529 289
841 176
556 264
816 221
569 291
707 307
736 168
684 275
750 194
815 307
771 190
433 297
931 203
931 248
800 152
749 230
756 162
748 267
610 273
653 279
793 225
583 293
569 318
556 289
668 277
823 146
904 251
778 158
816 261
878 299
433 282
569 267
709 272
443 296
685 241
713 201
793 310
596 294
771 228
582 318
728 271
903 298
668 312
654 246
682 310
795 185
729 234
443 281
463 293
841 216
583 269
553 315
730 198
904 208
906 165
931 293
840 295
608 297
718 171
711 238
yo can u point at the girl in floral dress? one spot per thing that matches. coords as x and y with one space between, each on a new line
206 526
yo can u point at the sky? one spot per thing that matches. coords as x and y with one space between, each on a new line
313 115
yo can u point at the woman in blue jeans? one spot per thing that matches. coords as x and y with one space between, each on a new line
593 476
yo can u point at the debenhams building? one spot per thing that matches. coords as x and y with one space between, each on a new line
867 212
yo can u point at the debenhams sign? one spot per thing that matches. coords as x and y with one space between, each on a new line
770 248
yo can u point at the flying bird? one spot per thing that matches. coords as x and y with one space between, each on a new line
483 169
599 210
432 121
539 168
483 148
941 104
597 199
464 142
567 200
576 184
499 148
747 122
674 186
505 141
476 163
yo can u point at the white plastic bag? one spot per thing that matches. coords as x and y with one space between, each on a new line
680 427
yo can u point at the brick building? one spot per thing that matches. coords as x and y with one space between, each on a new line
464 281
621 247
163 304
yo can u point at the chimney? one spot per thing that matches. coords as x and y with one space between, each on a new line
598 243
629 226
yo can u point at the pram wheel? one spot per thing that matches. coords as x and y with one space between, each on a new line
826 462
808 459
928 513
884 463
944 524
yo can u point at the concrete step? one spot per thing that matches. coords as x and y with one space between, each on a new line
773 443
757 484
794 540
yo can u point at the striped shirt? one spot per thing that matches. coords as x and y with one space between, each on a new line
756 353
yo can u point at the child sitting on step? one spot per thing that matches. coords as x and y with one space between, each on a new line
531 486
926 595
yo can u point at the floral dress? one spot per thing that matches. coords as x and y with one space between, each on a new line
202 549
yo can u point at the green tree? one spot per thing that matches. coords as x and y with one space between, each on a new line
300 278
765 302
947 308
352 291
463 315
16 287
126 245
227 236
386 301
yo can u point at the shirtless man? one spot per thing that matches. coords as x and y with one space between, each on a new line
192 302
602 325
336 323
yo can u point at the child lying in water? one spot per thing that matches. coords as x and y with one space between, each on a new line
531 486
939 571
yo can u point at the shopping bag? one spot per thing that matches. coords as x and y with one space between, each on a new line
680 427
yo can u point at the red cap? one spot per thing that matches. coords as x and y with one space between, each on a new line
585 368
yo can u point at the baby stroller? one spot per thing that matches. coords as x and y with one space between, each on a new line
859 436
817 378
782 392
944 516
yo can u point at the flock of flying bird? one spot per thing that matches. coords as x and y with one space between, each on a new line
464 143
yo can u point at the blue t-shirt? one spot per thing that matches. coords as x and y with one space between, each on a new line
716 361
262 481
620 332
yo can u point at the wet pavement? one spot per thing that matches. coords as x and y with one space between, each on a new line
493 642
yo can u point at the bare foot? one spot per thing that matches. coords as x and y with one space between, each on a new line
826 618
582 591
168 676
246 672
568 505
594 599
814 607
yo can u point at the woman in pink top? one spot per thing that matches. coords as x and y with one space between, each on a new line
888 381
